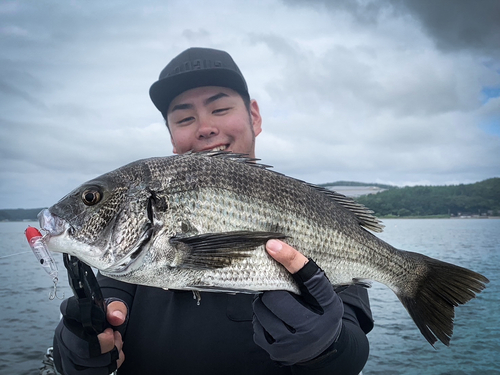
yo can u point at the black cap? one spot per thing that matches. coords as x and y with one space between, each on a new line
196 67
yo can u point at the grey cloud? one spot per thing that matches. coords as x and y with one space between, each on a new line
278 44
365 12
9 90
452 24
196 35
345 77
459 24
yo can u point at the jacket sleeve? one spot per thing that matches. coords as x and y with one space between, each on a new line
349 353
117 289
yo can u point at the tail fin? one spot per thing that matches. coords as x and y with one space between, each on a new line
438 289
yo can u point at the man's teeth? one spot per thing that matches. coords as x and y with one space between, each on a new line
220 148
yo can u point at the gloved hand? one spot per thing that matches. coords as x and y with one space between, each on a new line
78 351
294 329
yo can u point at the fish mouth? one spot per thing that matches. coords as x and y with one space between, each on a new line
52 224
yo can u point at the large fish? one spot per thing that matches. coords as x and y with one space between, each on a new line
199 222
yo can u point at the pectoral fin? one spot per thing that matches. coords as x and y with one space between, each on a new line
217 250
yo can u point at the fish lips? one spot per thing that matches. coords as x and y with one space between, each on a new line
58 235
51 223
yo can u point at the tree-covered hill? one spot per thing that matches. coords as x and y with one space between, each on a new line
480 198
19 214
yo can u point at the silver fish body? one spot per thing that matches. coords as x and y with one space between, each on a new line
199 221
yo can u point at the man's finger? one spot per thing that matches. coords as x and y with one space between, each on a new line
119 346
106 340
110 339
116 313
290 258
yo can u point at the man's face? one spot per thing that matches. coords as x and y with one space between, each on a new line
211 117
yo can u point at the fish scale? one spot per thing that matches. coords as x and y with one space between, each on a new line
207 220
200 221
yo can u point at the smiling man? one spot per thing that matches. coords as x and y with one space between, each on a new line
204 100
213 118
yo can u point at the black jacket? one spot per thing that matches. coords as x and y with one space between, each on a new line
167 332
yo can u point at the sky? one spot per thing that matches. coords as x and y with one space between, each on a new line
395 92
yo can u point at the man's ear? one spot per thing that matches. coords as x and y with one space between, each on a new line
255 116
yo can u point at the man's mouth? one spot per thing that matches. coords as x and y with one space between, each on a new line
219 148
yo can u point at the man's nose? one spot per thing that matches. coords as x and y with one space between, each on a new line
207 129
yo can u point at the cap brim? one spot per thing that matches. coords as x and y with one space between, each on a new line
163 91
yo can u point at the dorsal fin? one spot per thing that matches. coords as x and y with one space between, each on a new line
362 213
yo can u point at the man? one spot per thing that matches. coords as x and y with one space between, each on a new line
204 100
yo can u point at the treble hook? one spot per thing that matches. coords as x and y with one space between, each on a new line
53 294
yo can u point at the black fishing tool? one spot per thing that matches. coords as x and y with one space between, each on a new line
88 293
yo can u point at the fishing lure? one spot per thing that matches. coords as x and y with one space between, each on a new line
37 244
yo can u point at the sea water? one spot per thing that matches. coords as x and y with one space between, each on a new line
28 318
396 345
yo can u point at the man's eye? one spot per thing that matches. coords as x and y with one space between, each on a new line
185 120
220 110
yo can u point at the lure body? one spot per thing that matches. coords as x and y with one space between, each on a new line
37 244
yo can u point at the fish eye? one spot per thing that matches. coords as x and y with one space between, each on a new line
91 196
